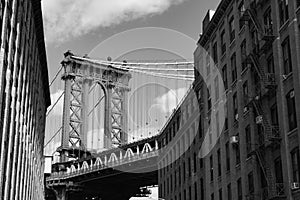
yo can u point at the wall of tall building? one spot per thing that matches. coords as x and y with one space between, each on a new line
255 47
24 98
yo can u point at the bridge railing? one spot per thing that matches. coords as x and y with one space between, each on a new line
98 163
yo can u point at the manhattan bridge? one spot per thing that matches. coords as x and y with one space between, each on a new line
108 135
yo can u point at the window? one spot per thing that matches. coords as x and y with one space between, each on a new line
255 41
224 76
270 63
190 170
208 98
231 29
212 197
183 173
237 155
220 194
229 194
202 189
179 175
215 52
190 192
195 162
274 115
283 11
195 191
245 93
216 82
235 107
268 23
217 124
278 170
211 168
233 68
248 140
295 164
207 64
243 55
298 3
223 42
239 189
263 179
227 156
242 11
291 109
286 53
201 162
250 183
219 163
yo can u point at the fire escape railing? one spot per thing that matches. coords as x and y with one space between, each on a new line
263 38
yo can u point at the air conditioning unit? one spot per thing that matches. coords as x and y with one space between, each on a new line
236 117
295 186
284 76
292 94
234 140
259 119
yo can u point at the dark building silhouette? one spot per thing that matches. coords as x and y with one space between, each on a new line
24 98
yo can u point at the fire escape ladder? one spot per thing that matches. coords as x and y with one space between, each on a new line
265 31
267 79
270 191
271 133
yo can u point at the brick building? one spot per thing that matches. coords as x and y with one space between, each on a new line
24 98
255 47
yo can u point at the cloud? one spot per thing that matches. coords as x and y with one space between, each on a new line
169 100
65 19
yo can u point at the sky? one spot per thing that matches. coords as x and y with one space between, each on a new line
120 27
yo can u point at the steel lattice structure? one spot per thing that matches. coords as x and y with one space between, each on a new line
80 77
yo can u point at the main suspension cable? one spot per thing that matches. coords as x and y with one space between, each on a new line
55 103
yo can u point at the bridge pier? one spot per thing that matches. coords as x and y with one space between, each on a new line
61 193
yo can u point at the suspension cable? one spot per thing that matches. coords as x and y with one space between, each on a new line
52 137
170 76
55 103
132 63
99 100
56 75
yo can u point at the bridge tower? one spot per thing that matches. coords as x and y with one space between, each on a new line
81 75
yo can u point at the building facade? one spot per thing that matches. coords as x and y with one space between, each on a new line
255 47
24 98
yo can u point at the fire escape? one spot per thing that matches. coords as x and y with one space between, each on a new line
263 38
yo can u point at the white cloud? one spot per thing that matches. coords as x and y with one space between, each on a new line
65 19
169 100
